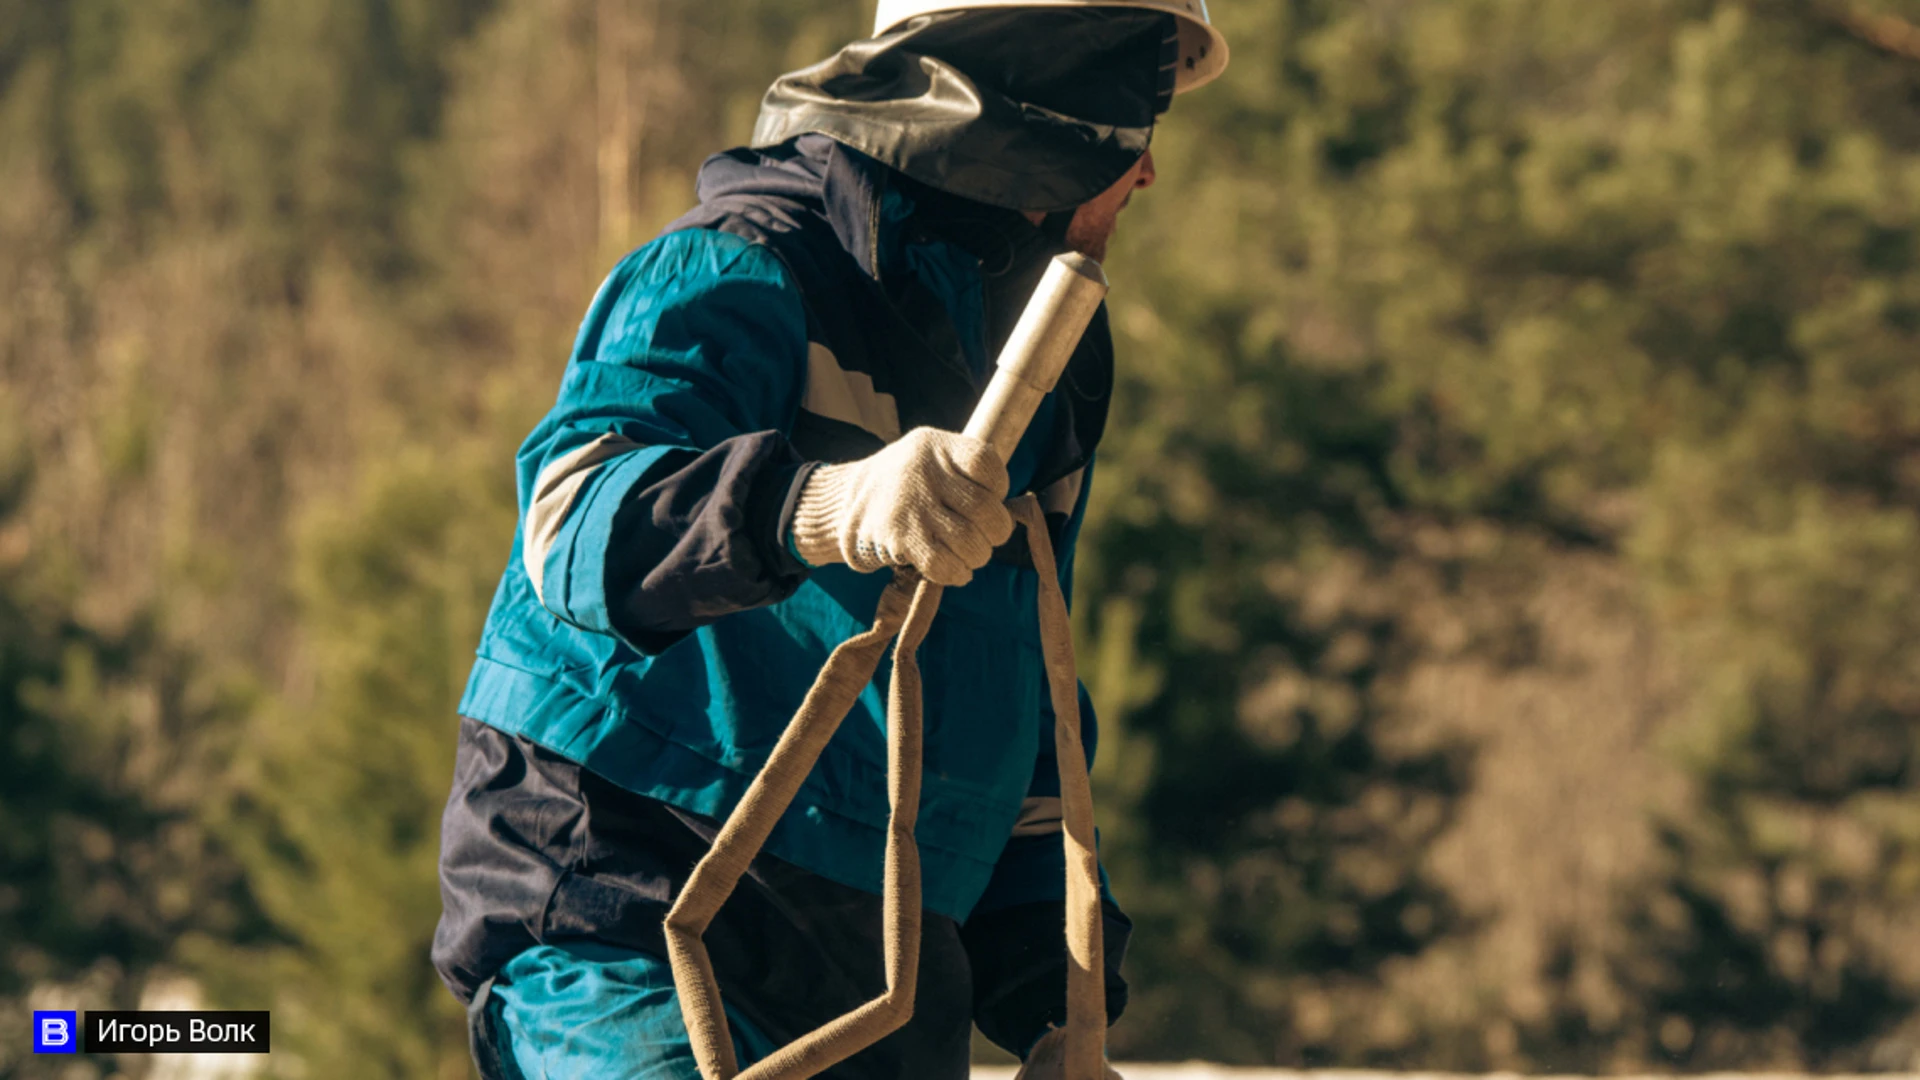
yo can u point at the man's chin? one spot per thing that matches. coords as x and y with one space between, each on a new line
1092 244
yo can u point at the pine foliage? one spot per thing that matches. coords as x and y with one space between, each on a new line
1499 596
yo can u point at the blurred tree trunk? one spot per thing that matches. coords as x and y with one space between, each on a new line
615 91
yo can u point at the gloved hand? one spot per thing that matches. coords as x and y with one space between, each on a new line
932 500
1048 1059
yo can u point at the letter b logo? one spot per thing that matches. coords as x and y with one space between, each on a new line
56 1032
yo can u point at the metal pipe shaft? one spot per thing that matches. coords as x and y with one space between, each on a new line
1043 341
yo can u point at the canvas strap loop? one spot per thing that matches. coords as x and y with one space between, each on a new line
905 613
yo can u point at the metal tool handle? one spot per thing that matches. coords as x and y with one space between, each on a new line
1042 342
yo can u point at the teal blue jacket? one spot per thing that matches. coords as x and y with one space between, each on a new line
652 624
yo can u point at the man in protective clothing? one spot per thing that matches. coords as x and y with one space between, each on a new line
759 421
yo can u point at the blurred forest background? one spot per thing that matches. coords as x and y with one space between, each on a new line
1503 598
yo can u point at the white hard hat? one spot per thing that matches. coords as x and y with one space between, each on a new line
1203 52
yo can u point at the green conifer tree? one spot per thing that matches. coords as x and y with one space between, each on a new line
1630 280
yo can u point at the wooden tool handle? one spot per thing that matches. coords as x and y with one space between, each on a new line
1036 354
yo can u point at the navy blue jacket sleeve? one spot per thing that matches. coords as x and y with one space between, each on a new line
651 494
1015 936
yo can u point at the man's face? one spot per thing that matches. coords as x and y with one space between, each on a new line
1095 220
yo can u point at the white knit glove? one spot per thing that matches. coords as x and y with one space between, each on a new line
933 500
1048 1059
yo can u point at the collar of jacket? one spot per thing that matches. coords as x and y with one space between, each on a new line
851 192
810 173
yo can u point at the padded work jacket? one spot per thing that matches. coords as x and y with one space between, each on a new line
652 624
